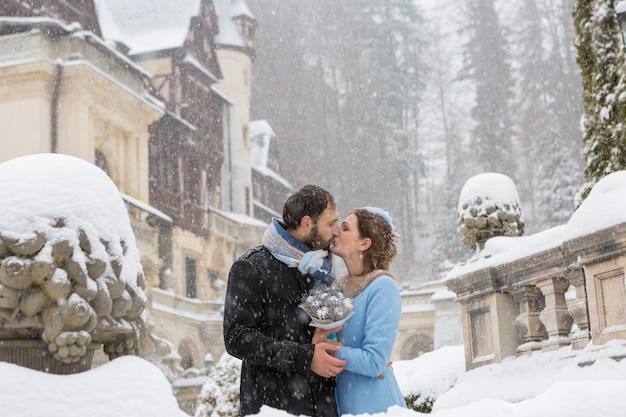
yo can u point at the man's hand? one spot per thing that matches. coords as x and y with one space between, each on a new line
324 364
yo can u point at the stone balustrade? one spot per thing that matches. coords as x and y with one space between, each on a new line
561 287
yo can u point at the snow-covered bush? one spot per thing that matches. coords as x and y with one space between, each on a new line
424 379
416 403
220 394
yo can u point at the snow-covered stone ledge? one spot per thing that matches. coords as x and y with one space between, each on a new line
561 287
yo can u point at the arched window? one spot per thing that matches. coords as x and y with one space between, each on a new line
186 355
416 345
101 161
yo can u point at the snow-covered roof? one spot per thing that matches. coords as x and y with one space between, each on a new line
146 207
261 134
240 8
258 127
154 25
146 25
229 32
221 94
190 59
240 218
267 209
268 172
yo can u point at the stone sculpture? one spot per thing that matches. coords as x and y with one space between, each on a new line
70 277
489 206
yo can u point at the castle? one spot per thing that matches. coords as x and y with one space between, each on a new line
157 94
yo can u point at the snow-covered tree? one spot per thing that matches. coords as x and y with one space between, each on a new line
220 394
546 113
560 167
531 116
347 89
601 61
447 248
487 63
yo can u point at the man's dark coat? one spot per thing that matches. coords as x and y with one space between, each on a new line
265 328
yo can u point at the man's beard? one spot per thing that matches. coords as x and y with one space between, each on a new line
315 240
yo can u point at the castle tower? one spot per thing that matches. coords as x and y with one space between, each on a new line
235 53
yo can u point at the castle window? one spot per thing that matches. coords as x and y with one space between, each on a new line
101 161
190 278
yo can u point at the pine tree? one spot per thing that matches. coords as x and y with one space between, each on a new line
487 63
290 92
532 117
547 112
601 61
560 168
348 103
447 248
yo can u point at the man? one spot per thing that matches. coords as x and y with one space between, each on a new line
263 325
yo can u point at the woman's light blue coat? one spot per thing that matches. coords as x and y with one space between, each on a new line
368 338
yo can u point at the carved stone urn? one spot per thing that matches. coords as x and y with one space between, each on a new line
489 206
70 277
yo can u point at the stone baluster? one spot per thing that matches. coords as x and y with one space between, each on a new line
555 315
578 309
528 325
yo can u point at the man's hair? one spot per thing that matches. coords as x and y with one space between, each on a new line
309 200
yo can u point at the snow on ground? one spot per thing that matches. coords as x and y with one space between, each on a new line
551 384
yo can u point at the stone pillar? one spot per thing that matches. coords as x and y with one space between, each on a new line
489 336
530 329
606 292
578 309
555 315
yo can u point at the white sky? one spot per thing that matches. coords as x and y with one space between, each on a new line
545 384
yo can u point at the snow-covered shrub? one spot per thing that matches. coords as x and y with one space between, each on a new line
416 403
423 380
220 394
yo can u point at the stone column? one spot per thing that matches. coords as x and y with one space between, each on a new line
530 329
555 315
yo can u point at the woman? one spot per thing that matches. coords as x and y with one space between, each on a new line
367 244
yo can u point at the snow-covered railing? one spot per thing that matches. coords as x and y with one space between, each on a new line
561 287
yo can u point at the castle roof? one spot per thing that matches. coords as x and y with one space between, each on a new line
154 25
229 32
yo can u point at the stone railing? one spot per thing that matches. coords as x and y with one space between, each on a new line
561 287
